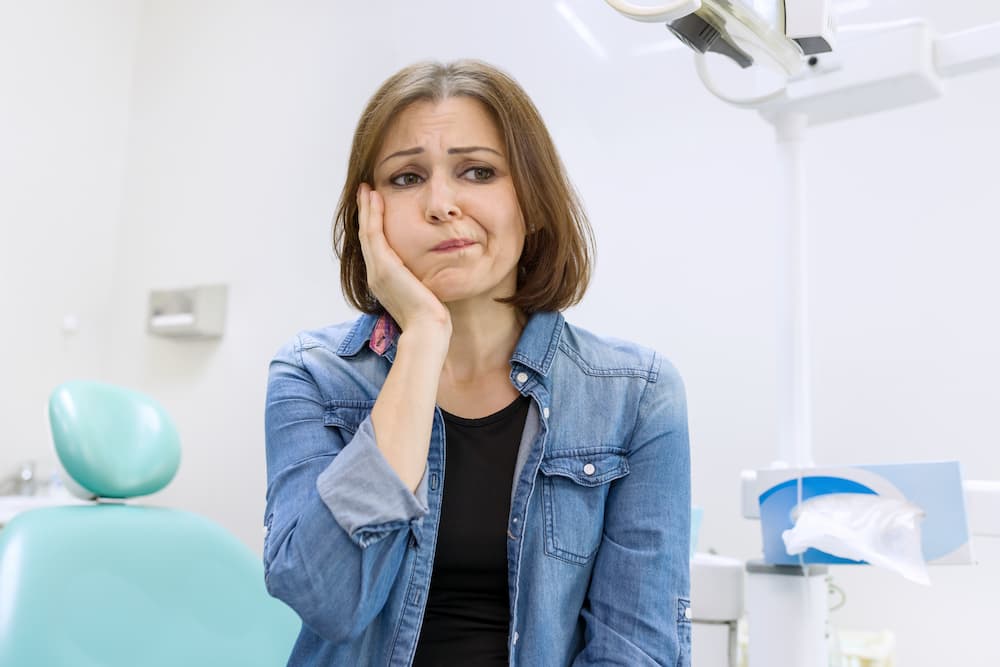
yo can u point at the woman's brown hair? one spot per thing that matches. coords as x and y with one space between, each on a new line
555 265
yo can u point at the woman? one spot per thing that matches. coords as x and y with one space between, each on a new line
559 533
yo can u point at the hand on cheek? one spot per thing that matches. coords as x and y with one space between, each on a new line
409 302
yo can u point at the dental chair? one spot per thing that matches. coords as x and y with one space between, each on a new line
114 584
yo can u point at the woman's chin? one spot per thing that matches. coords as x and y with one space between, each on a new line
452 294
458 287
450 288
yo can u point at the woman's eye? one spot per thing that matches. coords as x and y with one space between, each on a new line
479 173
409 178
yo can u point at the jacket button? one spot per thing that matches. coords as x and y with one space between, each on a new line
522 377
589 469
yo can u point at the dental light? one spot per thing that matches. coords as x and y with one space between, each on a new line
745 31
798 39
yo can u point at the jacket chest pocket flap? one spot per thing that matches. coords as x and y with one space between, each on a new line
575 488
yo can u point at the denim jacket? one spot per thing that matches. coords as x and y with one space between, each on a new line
599 522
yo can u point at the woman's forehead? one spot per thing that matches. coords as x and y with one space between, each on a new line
453 122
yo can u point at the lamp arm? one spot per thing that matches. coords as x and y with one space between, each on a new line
665 14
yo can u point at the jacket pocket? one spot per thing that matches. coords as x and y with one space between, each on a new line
574 489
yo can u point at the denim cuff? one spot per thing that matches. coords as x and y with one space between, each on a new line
365 495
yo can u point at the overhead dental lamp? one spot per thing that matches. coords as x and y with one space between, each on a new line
744 30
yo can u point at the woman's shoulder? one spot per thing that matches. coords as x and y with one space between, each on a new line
343 339
606 354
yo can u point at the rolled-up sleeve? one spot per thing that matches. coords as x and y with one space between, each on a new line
365 495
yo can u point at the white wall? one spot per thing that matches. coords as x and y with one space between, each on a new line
240 121
65 81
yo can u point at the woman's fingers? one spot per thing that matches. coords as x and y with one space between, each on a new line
376 231
375 211
364 214
381 260
366 234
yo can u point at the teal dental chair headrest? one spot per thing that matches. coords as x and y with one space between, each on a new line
113 442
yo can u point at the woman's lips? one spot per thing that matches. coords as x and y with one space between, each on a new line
453 244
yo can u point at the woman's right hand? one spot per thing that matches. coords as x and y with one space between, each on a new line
401 293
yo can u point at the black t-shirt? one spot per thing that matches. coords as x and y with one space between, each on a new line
467 618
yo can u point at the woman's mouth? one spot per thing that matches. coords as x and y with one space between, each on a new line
452 244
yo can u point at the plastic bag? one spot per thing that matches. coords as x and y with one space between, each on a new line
861 526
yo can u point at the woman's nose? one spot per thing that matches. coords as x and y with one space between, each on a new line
442 202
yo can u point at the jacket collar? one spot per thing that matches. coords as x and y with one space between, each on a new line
359 334
539 341
535 349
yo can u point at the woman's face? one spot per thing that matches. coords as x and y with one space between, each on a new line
451 213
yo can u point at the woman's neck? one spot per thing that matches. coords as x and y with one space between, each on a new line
483 339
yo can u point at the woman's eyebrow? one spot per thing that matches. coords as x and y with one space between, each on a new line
473 149
451 151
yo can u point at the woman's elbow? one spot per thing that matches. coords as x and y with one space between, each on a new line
336 621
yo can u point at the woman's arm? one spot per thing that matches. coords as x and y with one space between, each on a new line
338 514
404 411
332 555
636 608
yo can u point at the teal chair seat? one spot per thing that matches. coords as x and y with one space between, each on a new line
116 585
